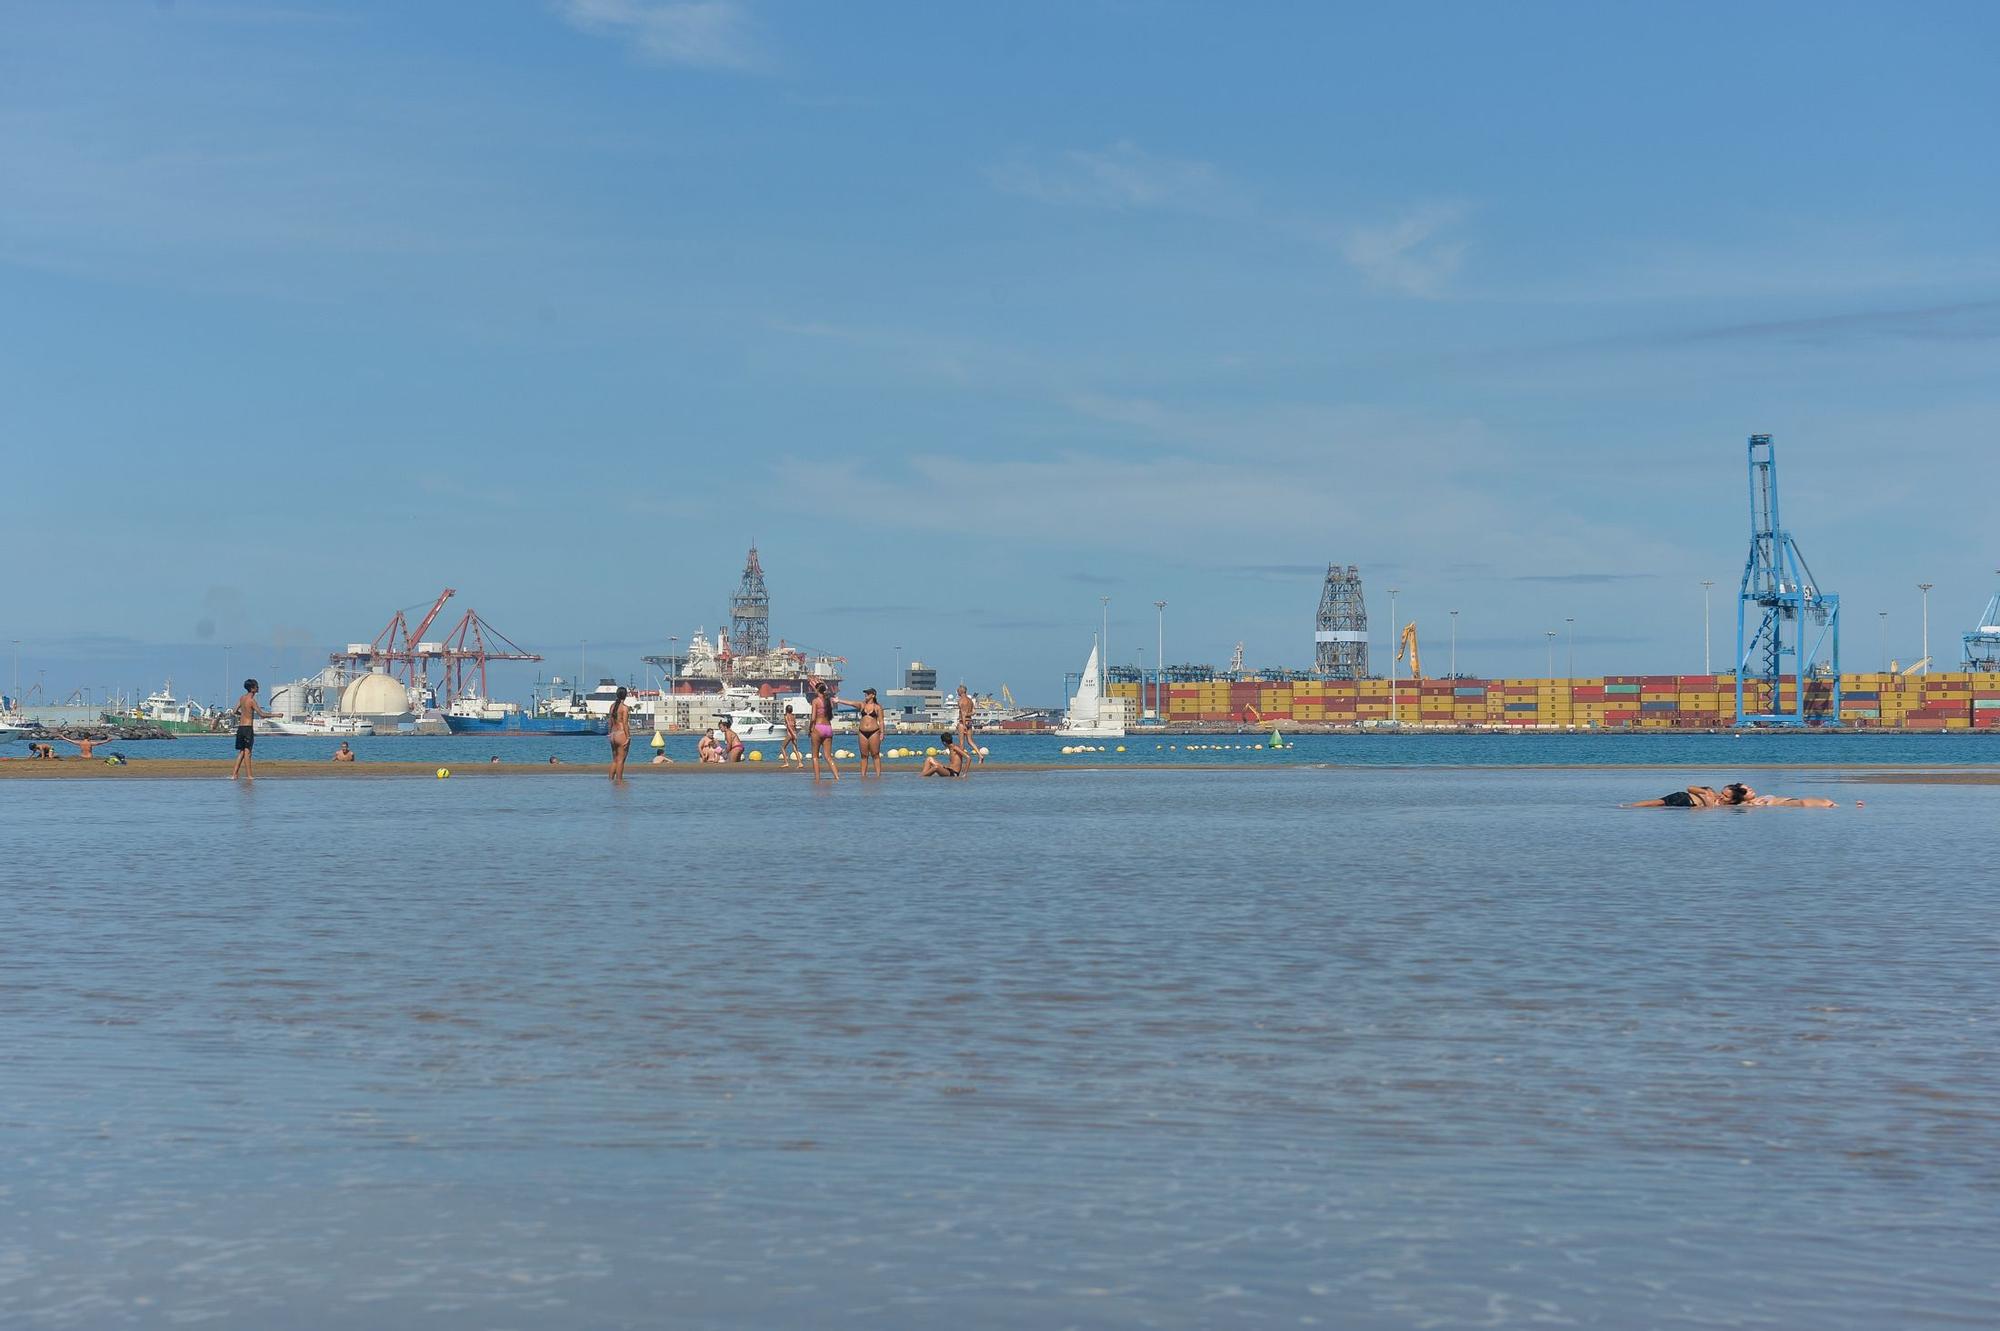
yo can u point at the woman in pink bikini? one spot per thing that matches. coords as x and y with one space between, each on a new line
823 703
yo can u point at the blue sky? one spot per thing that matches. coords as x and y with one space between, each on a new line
970 315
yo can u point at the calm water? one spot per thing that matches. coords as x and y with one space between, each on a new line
1296 1046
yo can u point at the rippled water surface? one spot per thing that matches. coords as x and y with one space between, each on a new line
1295 1046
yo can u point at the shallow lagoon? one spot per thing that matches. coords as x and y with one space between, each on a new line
1361 1048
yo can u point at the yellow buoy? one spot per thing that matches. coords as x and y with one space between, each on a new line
756 755
1121 748
443 772
659 740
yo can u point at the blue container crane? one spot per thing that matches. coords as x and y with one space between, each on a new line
1782 612
1982 645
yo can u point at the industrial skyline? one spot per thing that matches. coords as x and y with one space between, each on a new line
970 319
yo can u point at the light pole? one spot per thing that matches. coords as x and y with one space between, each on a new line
1882 618
1925 588
1160 658
1706 585
1552 654
1571 667
1454 644
17 672
896 680
1396 645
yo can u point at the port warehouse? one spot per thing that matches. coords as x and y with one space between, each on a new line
1939 701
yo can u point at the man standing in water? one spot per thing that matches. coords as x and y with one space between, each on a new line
247 712
965 724
621 733
790 748
869 729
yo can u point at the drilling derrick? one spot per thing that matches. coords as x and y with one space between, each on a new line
1340 632
1782 613
750 611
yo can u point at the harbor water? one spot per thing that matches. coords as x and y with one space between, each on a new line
1396 1045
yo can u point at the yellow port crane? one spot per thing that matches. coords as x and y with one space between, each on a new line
1007 696
1406 643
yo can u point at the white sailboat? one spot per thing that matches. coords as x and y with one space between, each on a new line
1091 715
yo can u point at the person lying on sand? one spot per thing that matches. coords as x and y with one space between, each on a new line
1736 795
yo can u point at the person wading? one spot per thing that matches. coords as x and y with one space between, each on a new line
869 730
621 734
247 712
965 725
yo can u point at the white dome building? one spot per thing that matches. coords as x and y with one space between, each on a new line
377 695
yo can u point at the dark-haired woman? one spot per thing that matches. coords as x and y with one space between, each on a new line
621 733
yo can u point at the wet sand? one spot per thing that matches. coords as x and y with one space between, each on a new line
209 769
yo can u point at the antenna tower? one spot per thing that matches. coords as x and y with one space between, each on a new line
1340 631
1782 612
750 611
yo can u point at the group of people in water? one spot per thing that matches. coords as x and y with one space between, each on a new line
724 745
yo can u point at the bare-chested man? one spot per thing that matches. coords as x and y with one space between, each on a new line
247 711
965 725
954 759
789 750
343 754
85 746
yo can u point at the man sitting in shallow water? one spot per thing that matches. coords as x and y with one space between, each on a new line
1735 795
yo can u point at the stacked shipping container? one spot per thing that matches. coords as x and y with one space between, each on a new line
1941 701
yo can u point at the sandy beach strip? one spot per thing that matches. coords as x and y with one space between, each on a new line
211 769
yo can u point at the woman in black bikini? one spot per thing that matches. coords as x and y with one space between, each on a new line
870 732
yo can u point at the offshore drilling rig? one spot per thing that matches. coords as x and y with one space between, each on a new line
1340 631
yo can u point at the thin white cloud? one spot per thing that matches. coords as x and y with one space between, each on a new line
1121 176
1416 254
708 34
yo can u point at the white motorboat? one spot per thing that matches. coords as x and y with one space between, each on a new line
1091 715
316 725
753 727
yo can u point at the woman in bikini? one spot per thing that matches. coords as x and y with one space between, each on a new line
621 734
870 732
823 703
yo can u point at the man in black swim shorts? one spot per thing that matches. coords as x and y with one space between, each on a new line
247 712
1694 797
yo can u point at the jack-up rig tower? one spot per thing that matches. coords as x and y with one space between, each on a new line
1982 644
1782 613
1340 631
750 611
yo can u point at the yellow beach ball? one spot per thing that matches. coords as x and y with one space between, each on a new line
755 755
443 772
